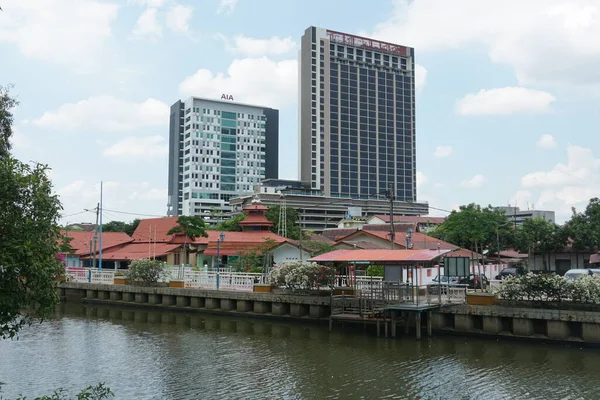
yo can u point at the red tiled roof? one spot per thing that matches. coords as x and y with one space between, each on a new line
403 227
412 219
136 251
338 233
379 256
154 229
320 238
81 240
363 244
512 254
255 206
235 242
255 219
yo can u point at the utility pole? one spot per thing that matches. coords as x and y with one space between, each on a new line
100 250
391 197
95 236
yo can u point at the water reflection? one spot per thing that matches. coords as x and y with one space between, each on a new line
143 354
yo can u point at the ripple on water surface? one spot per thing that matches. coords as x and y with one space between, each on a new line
162 355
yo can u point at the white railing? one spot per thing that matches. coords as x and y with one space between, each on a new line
239 281
92 275
446 294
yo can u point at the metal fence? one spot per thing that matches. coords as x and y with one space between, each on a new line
446 294
90 275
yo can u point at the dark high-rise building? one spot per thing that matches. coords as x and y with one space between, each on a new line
357 115
218 150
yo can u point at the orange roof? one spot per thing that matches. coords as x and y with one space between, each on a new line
136 251
390 256
255 206
81 240
235 242
255 219
154 229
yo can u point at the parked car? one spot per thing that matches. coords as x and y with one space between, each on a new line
578 273
475 281
445 282
510 271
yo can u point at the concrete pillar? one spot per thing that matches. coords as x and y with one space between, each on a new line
558 330
280 308
141 298
103 295
116 296
212 304
298 310
417 325
183 301
197 302
438 320
429 325
244 306
492 324
227 305
590 332
91 294
128 297
262 307
318 311
522 327
168 300
463 322
154 299
61 292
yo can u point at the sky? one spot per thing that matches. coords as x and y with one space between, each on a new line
507 103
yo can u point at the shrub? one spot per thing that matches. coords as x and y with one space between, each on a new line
375 270
302 275
147 271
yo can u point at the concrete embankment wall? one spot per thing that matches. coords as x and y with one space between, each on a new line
531 323
263 304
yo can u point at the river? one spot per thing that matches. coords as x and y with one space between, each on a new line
171 355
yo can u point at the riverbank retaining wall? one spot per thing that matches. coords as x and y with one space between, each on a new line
263 304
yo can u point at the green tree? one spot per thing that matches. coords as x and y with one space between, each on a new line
537 235
292 219
315 248
232 224
120 226
7 103
191 227
584 228
253 259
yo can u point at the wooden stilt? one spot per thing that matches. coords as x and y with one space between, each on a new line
378 328
418 325
394 322
429 327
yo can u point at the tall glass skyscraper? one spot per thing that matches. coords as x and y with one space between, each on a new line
357 115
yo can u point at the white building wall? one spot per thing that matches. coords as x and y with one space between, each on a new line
288 252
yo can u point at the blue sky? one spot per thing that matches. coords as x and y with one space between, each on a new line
507 105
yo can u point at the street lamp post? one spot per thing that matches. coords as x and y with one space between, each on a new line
409 232
219 241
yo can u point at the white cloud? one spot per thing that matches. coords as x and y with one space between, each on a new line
226 6
147 25
252 47
421 179
420 76
475 182
258 81
69 33
145 192
148 146
544 41
149 3
507 100
178 18
546 142
566 185
443 151
106 113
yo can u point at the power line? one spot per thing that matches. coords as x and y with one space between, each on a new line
130 213
74 214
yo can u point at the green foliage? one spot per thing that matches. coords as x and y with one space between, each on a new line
375 270
191 226
7 103
29 213
64 245
584 228
537 235
476 228
254 257
120 226
98 392
316 248
146 271
293 220
232 224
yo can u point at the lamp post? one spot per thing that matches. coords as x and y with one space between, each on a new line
219 241
409 232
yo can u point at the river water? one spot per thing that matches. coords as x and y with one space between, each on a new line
172 355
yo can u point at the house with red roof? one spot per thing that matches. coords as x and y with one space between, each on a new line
423 224
82 243
151 240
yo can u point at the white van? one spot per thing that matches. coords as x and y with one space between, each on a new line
578 273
